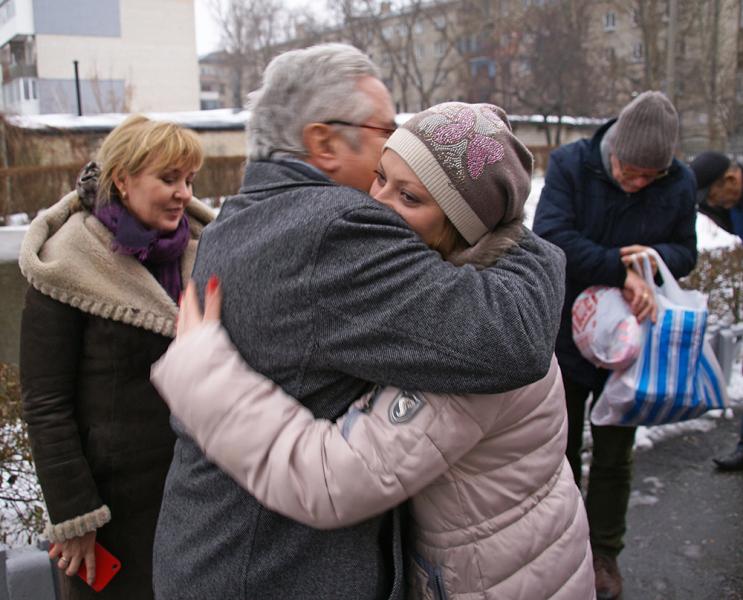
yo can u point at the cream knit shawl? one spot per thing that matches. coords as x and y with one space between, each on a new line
66 254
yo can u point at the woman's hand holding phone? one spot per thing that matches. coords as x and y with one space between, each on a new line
74 552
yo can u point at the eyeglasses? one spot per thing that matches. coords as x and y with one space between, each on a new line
633 173
386 131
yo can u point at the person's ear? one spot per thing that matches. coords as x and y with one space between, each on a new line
120 182
321 142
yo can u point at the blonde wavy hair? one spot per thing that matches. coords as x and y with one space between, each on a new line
140 143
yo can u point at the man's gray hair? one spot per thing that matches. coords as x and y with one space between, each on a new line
311 85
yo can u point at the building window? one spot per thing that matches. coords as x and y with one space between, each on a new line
387 32
420 51
610 21
638 51
636 17
418 27
482 65
439 49
439 22
27 88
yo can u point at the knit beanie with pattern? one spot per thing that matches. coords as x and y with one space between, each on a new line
468 159
646 132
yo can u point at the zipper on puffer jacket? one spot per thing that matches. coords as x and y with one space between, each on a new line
435 579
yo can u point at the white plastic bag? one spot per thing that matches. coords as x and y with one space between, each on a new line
604 328
676 377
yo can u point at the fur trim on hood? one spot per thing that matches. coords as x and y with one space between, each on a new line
490 247
67 255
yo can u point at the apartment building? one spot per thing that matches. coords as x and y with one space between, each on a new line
704 78
131 55
482 51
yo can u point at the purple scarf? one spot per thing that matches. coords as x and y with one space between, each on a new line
158 251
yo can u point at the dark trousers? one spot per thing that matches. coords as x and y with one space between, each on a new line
610 475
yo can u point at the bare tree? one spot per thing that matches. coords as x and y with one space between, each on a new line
106 95
20 495
250 32
707 55
550 69
650 51
418 44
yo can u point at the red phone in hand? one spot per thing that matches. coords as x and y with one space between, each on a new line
106 566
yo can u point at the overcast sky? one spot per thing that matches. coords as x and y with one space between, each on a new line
207 34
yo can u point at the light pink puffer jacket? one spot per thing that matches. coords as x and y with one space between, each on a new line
496 512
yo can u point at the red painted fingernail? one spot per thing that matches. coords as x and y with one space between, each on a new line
212 284
180 298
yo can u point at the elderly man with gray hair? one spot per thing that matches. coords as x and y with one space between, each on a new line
327 292
604 200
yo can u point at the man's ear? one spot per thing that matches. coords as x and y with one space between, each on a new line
321 144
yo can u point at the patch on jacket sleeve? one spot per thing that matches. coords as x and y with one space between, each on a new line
405 406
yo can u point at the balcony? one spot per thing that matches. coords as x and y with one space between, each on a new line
11 72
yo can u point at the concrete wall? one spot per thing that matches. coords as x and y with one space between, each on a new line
96 96
155 55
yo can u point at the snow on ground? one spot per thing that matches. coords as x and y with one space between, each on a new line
223 118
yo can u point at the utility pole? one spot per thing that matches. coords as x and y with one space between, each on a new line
77 90
671 51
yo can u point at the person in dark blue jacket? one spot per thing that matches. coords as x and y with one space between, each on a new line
720 197
605 199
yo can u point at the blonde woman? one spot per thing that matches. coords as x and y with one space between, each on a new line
106 266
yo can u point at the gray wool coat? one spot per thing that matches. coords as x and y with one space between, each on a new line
325 291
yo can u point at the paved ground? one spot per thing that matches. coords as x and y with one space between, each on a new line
685 538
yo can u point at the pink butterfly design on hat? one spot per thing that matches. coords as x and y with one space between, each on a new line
481 150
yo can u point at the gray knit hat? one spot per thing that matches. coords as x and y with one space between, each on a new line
470 162
646 132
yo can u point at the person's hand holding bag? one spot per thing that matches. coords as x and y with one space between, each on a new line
639 295
605 329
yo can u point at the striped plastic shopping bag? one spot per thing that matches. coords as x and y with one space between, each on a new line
676 376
